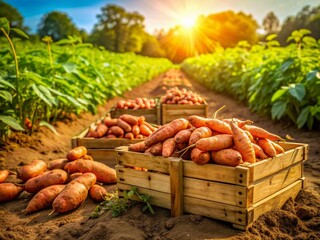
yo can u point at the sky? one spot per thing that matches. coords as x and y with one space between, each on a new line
158 13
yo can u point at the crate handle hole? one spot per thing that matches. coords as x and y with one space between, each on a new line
240 181
240 202
240 193
240 220
121 179
240 212
241 175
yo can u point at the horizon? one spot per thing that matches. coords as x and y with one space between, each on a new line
158 14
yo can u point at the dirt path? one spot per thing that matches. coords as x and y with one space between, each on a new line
14 224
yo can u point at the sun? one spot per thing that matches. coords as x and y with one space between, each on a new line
188 21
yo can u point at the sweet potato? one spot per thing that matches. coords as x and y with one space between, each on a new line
243 144
183 136
97 193
129 135
168 131
277 147
198 121
124 125
109 122
117 131
267 147
258 132
103 173
57 163
228 157
31 170
135 130
100 131
259 152
137 147
130 119
44 198
53 177
156 149
4 174
219 126
198 133
76 153
9 191
70 197
88 179
199 157
75 175
145 130
168 147
215 143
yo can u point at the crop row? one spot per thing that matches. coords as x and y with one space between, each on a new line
283 82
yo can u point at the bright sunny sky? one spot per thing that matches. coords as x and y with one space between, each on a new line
158 13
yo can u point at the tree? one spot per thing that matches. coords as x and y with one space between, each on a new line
271 23
58 25
13 15
151 47
118 30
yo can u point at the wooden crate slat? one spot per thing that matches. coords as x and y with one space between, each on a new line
105 143
276 182
142 160
157 198
214 191
153 181
176 187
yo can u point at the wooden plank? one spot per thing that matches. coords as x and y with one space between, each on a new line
150 180
215 191
160 199
216 210
176 186
105 143
134 159
268 166
277 181
275 200
213 172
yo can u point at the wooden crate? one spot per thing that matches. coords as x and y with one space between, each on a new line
101 149
238 195
152 115
170 112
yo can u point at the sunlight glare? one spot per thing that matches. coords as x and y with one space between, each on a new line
188 21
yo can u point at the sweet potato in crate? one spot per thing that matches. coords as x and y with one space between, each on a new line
181 103
102 148
238 195
152 114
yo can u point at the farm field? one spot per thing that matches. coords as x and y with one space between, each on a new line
45 145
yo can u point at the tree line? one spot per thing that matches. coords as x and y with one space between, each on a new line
119 30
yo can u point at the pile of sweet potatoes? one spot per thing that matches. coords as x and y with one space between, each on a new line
138 103
174 78
181 96
209 140
126 126
63 184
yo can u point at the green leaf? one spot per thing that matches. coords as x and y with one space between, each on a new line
41 95
278 94
6 83
303 117
47 94
285 65
6 96
130 193
271 37
20 32
310 41
312 75
48 125
298 91
4 23
12 122
278 109
70 67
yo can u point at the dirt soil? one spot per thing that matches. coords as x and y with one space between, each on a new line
298 219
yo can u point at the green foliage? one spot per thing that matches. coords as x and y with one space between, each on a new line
283 82
119 206
48 81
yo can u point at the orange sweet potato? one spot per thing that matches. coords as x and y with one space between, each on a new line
53 177
228 157
4 174
31 170
44 198
58 163
103 173
97 193
199 157
76 153
9 191
88 179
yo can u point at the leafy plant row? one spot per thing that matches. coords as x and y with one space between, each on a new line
42 82
281 81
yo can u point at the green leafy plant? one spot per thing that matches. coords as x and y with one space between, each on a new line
119 205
